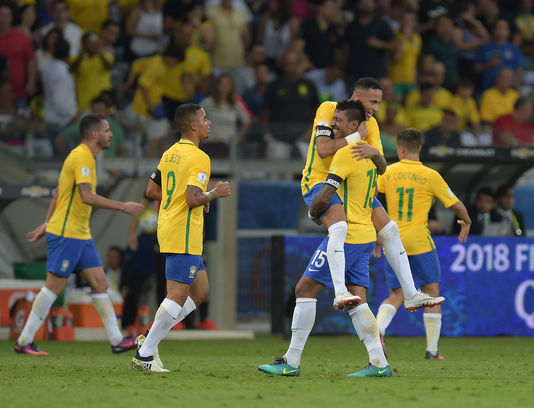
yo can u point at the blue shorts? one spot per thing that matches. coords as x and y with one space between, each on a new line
183 267
310 195
425 270
376 203
66 255
356 264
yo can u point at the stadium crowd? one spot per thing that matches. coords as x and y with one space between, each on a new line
460 71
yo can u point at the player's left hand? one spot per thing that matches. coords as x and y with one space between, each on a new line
36 234
377 253
464 231
315 220
207 207
363 151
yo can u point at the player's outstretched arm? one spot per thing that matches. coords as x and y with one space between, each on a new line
195 197
464 220
95 200
39 232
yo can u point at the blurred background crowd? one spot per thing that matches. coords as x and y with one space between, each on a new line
461 71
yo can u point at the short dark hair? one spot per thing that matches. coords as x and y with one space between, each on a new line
61 49
184 115
353 109
503 189
425 86
174 51
99 99
449 112
488 191
108 23
89 122
410 138
367 83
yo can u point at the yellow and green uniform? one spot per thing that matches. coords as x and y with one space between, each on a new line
316 169
71 215
357 190
180 228
410 189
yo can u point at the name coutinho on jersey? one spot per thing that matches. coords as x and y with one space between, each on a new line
406 175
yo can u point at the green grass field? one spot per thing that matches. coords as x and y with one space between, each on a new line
478 372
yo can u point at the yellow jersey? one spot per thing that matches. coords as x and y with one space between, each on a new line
91 78
410 190
494 103
316 169
71 215
357 192
180 228
466 110
402 69
89 14
442 98
139 105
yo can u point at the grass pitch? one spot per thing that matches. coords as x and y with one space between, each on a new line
478 372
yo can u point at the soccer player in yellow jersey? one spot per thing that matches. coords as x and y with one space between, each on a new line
410 189
355 181
183 174
70 246
320 152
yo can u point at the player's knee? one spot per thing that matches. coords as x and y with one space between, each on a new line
305 289
340 228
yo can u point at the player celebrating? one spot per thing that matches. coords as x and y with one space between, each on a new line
356 182
183 174
70 246
322 147
410 189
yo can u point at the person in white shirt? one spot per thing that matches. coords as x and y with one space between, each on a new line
61 19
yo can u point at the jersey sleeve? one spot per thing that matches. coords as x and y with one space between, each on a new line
83 167
342 163
381 183
373 135
199 174
442 190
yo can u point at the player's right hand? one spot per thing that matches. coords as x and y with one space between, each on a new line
464 231
362 130
222 189
132 208
133 243
36 234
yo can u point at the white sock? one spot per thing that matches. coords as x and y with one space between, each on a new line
41 305
365 324
385 315
104 307
166 318
188 306
335 253
397 258
433 328
301 327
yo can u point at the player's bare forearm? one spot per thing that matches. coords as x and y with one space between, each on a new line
322 200
153 191
90 198
328 147
39 232
380 163
464 220
195 197
52 206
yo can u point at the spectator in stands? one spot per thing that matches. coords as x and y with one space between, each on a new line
18 50
505 200
244 77
70 136
516 128
499 100
228 116
441 45
424 115
429 12
253 98
368 35
321 35
329 82
92 70
446 134
469 35
433 73
59 91
89 14
27 19
61 19
231 36
196 61
145 27
277 29
464 106
489 13
408 44
525 24
485 220
202 28
109 35
498 54
13 127
45 54
191 89
289 106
